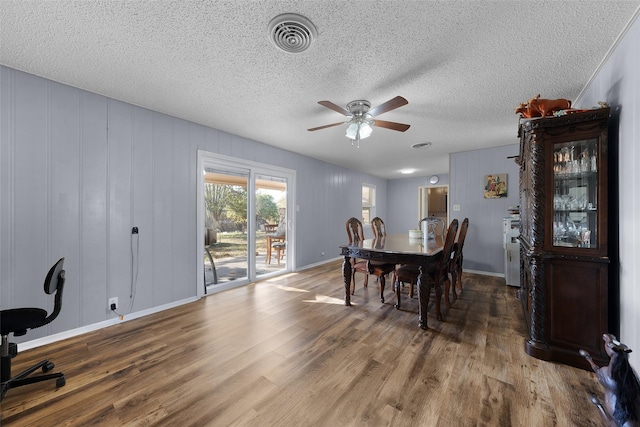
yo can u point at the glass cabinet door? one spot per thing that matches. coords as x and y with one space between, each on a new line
575 179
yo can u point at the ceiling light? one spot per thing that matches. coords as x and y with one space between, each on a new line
359 128
360 125
407 171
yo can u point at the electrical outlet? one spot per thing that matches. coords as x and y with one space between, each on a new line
113 303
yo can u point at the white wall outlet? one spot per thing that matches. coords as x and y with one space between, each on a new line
456 208
113 301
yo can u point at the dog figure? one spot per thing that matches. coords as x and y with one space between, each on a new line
621 406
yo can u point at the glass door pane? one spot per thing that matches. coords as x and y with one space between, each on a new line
271 224
575 208
225 244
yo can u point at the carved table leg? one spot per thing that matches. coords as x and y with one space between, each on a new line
382 285
423 299
396 288
346 273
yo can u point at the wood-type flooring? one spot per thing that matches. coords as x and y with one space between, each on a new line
287 352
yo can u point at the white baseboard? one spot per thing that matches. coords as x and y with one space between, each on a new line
49 339
317 264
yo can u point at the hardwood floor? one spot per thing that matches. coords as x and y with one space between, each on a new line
287 352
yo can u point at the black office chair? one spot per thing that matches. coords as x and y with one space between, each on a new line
17 321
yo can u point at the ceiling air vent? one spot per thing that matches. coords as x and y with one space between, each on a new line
421 144
292 33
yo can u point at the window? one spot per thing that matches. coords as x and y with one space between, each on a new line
368 203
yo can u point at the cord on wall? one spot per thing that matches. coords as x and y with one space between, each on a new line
135 251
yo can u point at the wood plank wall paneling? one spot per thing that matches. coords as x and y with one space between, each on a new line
79 170
287 352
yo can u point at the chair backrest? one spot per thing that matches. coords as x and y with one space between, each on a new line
355 231
432 226
378 228
449 241
54 282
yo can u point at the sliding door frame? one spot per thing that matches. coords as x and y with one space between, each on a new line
208 159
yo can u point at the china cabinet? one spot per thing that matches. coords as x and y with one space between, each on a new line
564 252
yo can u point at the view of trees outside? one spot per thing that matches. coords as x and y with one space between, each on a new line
266 209
226 207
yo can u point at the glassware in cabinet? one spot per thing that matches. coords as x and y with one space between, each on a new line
575 178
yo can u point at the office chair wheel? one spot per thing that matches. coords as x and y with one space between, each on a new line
60 382
48 367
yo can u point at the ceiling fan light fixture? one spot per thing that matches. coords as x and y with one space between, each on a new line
359 129
365 130
352 130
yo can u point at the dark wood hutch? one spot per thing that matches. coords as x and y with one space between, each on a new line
564 251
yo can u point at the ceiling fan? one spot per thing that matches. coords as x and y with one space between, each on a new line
361 117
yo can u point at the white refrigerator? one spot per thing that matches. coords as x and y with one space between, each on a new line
511 245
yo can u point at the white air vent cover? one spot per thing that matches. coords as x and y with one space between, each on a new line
292 33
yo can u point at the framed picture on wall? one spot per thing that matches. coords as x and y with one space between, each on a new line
495 186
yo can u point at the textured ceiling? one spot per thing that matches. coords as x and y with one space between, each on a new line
462 65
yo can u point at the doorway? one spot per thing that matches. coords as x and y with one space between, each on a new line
434 201
247 225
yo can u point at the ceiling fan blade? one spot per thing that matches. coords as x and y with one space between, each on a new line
391 104
391 125
334 107
326 126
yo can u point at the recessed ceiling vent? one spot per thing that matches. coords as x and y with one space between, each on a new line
292 33
421 144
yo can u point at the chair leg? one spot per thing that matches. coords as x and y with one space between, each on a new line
459 277
23 377
454 279
382 285
396 288
447 288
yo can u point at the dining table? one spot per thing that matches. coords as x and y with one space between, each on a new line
397 249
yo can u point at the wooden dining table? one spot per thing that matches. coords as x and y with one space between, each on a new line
396 249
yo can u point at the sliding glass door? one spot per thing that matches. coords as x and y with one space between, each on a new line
246 221
271 224
226 245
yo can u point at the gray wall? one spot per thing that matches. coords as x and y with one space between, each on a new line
78 170
483 250
618 84
403 202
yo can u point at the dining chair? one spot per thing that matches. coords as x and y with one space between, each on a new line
432 226
276 239
355 233
378 228
435 275
455 266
